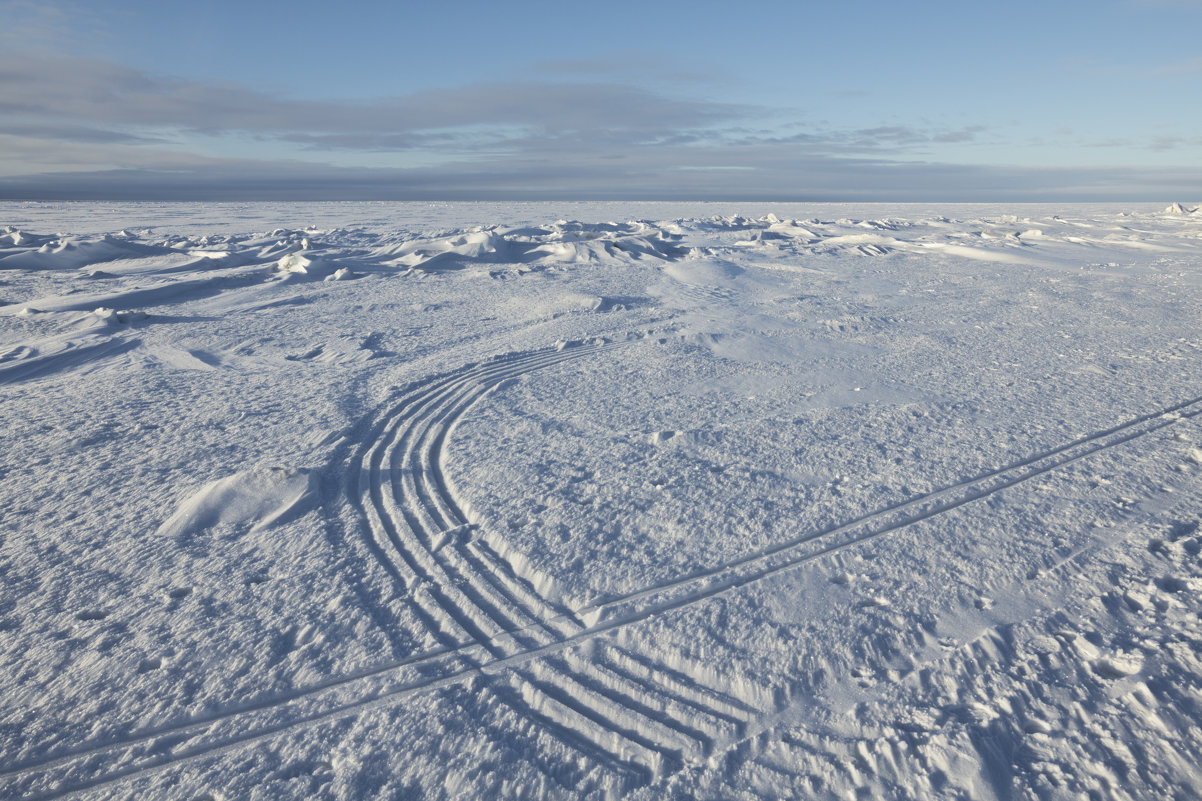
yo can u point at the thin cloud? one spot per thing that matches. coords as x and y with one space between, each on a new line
44 153
78 133
891 139
384 142
74 92
1155 144
1163 143
968 134
765 172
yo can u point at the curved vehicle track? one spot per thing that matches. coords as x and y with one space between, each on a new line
465 586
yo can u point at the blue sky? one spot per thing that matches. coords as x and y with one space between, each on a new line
624 100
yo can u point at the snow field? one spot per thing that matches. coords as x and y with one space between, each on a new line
710 507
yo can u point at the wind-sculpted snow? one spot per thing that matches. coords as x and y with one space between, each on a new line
789 505
259 498
32 252
559 243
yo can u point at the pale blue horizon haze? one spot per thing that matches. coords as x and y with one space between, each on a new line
621 100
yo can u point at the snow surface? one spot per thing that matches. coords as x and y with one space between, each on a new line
600 500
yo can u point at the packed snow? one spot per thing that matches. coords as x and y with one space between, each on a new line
568 501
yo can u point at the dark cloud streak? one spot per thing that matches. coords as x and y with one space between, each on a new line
764 175
74 133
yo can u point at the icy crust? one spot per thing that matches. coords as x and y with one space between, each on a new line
775 505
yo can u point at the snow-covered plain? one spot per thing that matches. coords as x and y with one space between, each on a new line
543 501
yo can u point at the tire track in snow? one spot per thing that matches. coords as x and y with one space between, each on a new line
461 659
401 495
462 654
471 589
478 593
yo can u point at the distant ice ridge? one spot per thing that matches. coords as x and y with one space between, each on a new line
563 242
320 253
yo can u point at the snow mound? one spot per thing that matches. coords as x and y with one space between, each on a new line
303 263
14 237
477 245
72 253
1177 209
562 242
341 274
254 499
704 272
